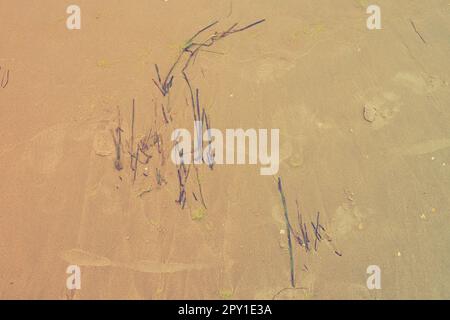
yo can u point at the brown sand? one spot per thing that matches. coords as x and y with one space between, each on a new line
380 177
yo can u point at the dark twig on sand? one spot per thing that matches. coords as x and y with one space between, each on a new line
132 136
191 49
166 120
302 236
188 55
117 138
288 228
417 31
183 175
5 78
200 188
317 229
159 178
145 192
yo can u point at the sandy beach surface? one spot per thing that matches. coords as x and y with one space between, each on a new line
364 124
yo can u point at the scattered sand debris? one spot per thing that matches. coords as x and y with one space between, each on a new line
198 214
226 294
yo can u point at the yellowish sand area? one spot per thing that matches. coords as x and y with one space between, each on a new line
363 140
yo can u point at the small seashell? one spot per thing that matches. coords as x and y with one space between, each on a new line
370 113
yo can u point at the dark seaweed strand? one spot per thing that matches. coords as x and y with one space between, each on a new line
288 227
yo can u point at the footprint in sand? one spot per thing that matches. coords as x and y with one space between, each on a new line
346 219
382 109
277 214
304 292
156 267
296 121
103 143
45 150
421 85
289 153
83 258
295 160
436 83
344 290
411 82
291 294
425 147
286 150
273 68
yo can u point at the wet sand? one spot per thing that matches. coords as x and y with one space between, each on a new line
364 133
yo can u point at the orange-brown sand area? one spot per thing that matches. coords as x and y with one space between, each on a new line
87 179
